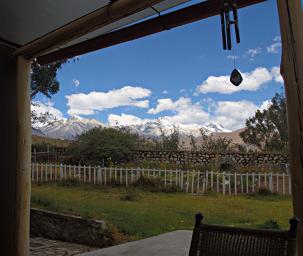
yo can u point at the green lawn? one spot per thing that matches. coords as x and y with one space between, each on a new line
141 214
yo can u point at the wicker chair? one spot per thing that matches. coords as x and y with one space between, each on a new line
214 240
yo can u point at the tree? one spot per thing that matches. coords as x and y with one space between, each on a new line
169 141
268 128
103 144
211 144
44 80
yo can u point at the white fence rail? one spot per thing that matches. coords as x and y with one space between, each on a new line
195 182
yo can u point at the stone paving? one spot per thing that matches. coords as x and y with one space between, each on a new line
44 247
175 243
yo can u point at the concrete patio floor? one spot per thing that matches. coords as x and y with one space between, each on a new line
175 243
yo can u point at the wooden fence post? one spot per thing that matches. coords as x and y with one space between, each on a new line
253 182
192 181
223 180
198 183
218 183
235 183
247 183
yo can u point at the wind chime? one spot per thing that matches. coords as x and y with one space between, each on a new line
229 6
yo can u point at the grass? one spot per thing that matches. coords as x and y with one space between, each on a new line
141 214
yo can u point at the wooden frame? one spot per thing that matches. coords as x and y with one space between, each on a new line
164 22
291 26
291 20
88 23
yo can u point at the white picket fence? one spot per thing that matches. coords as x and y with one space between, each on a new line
195 182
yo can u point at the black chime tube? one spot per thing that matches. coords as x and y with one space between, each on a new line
223 29
236 22
228 34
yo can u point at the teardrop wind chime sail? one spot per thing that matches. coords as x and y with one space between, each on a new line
226 23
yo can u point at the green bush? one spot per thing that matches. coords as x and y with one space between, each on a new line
106 145
69 182
129 197
270 224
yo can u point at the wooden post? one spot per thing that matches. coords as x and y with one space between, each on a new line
278 181
212 179
192 181
223 181
235 180
247 185
218 183
23 161
198 183
291 20
89 174
253 182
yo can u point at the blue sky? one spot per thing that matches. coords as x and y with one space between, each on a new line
178 75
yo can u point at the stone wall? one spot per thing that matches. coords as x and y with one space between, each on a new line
69 228
199 158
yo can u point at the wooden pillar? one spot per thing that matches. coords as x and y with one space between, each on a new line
23 170
291 25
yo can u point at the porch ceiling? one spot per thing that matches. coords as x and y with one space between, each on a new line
24 21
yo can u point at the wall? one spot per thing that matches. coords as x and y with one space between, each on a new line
70 228
198 158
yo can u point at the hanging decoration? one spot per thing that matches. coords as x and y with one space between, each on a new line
229 6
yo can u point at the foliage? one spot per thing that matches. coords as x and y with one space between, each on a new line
268 128
270 224
155 213
211 144
169 141
193 142
103 144
44 78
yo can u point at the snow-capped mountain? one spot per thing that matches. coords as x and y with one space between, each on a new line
69 128
151 129
214 127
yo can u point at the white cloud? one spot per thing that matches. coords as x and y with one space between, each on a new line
165 92
88 104
232 114
265 105
190 116
275 47
252 53
252 81
168 104
76 82
184 110
276 75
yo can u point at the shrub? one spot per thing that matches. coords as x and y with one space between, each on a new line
129 197
112 145
68 182
270 224
42 202
264 192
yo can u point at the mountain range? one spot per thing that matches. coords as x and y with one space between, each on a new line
70 128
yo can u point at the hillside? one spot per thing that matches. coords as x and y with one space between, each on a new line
55 142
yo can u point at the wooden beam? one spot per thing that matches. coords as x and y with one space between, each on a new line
291 20
23 168
171 20
88 23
